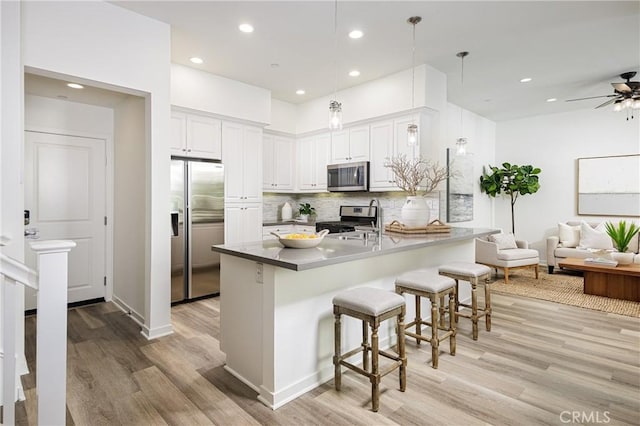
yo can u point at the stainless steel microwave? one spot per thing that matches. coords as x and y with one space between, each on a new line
348 177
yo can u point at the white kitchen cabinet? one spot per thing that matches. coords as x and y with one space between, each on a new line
279 162
388 140
350 145
242 158
312 155
242 223
195 136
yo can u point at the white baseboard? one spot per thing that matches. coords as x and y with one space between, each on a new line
154 333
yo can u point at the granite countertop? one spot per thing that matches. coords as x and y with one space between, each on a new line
339 248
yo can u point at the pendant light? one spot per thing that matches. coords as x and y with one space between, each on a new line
461 142
412 129
335 107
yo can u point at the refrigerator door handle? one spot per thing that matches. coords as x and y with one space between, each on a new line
174 224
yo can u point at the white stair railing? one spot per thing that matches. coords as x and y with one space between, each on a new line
51 342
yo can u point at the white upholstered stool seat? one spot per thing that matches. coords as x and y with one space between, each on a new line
466 269
370 301
429 284
371 306
425 280
474 273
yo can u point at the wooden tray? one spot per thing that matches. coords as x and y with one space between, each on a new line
434 227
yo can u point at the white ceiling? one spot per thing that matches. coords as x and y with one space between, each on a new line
571 49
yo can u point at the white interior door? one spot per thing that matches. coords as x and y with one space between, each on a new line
65 191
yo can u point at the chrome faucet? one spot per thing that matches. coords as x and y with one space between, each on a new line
379 224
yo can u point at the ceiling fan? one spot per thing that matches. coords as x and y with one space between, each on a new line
625 95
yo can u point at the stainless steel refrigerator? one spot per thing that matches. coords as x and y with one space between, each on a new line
197 222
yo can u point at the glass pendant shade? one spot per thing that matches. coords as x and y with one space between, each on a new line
617 106
412 134
461 146
335 115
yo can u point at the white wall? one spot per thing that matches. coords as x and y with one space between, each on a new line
11 187
202 91
55 115
110 47
554 143
283 117
129 212
376 98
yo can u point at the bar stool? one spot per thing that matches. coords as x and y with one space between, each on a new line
473 273
428 284
372 306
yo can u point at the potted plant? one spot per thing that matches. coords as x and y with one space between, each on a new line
416 176
512 180
621 235
305 211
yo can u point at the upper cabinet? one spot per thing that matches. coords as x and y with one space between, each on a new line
195 136
242 148
312 155
389 139
279 162
350 145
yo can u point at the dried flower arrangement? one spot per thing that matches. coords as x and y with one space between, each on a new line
413 174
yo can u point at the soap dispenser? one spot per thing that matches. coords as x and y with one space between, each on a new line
287 212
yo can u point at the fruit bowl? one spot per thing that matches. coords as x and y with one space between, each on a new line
301 240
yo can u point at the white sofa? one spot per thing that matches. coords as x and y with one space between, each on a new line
557 251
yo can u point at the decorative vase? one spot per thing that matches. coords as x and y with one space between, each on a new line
304 218
415 212
623 258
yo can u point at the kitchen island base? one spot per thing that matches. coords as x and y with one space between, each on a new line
276 324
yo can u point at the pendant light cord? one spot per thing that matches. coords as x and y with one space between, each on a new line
335 49
413 67
461 55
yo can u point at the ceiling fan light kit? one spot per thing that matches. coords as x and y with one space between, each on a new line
626 96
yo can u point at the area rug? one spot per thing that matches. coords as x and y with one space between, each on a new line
561 287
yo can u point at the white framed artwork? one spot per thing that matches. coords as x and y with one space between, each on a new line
609 186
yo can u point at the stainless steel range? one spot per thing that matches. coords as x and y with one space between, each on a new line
351 218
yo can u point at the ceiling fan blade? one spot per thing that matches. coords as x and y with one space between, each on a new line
610 101
621 87
591 97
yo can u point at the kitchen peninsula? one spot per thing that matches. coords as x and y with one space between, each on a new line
276 317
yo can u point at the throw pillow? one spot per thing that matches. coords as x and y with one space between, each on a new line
594 238
569 235
504 241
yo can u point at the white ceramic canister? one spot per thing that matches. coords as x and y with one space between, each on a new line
287 212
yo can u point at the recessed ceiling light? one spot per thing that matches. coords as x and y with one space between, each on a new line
525 80
552 100
300 92
196 60
245 28
356 34
354 73
75 85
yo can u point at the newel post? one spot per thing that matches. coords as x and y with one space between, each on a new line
51 355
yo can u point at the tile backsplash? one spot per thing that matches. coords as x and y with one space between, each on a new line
327 205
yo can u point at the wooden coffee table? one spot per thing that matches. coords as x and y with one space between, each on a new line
619 282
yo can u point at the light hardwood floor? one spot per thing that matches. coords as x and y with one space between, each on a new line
542 363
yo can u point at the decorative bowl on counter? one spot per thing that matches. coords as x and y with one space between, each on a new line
301 239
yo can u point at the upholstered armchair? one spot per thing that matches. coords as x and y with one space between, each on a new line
503 251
